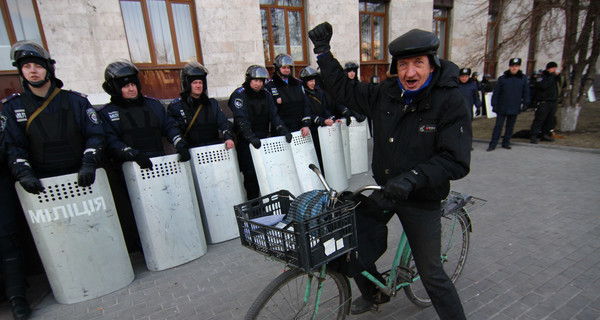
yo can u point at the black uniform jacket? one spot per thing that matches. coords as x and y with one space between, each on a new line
431 135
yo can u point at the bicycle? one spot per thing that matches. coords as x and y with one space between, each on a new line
308 289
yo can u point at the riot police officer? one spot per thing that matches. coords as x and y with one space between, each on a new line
288 94
199 117
320 115
11 254
49 131
134 123
254 115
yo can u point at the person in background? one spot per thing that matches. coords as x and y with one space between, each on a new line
418 108
288 94
469 90
199 117
546 90
255 117
511 95
320 115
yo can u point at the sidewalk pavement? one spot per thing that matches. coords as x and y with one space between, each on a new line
534 254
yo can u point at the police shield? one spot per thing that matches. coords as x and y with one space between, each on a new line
218 186
346 146
78 237
166 212
334 165
357 141
274 166
303 150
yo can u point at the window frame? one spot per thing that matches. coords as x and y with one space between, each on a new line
285 8
361 11
12 37
154 65
445 21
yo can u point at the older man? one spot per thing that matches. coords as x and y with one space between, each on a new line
421 139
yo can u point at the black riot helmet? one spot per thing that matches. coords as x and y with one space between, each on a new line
350 66
256 72
281 60
414 43
193 70
26 51
118 74
309 73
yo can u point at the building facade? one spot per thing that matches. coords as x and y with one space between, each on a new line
159 36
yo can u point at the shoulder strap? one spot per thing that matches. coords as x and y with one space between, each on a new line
192 122
41 108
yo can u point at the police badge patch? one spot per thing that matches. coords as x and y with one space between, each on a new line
91 113
20 115
114 116
2 122
238 103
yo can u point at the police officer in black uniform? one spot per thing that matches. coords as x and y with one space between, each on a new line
11 252
421 141
320 115
545 91
288 94
50 131
255 116
199 117
134 123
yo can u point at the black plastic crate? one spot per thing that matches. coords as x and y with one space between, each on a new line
309 245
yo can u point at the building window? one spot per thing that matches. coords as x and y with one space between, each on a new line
372 31
161 32
20 21
440 28
283 29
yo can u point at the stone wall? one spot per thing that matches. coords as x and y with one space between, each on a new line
83 37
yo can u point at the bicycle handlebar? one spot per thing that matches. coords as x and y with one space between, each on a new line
316 170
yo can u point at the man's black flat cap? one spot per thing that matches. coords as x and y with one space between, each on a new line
414 43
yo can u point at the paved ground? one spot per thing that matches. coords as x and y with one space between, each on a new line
535 250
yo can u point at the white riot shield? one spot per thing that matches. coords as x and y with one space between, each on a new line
218 184
166 212
303 150
346 146
488 105
78 236
330 139
357 140
274 166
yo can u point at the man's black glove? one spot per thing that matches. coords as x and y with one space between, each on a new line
360 117
320 37
398 188
348 120
255 142
288 137
143 161
184 152
87 173
23 172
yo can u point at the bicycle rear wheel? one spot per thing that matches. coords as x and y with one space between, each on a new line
284 297
455 247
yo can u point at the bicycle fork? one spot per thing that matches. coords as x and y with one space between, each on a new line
321 280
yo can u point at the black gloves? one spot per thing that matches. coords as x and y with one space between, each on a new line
283 131
360 117
87 173
255 142
288 137
398 188
184 152
320 37
23 172
143 161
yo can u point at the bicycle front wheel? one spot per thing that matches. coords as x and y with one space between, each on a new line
294 294
455 247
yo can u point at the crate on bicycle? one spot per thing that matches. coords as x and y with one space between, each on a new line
304 231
